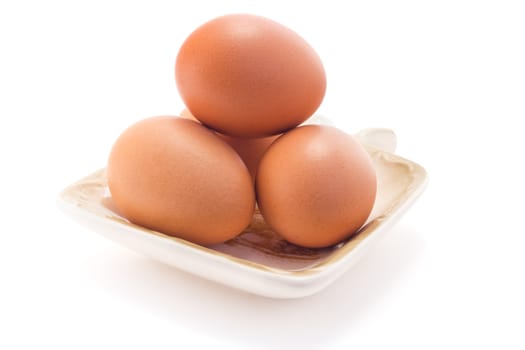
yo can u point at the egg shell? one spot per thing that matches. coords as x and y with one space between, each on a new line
249 76
250 150
175 176
316 186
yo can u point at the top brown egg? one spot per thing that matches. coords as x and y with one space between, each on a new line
248 76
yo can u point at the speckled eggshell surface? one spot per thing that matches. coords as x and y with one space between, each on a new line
249 76
316 186
176 176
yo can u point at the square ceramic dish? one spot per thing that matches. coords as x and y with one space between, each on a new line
259 261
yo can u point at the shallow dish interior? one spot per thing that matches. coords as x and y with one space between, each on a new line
258 245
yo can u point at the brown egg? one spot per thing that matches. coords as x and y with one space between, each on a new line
175 176
316 186
250 150
248 76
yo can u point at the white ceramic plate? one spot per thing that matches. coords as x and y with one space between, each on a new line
259 261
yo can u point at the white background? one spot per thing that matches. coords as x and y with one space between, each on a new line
447 76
